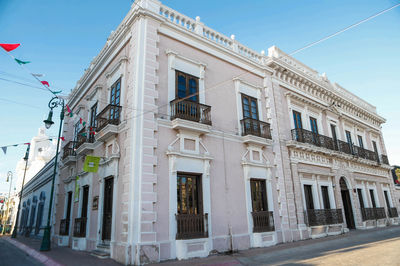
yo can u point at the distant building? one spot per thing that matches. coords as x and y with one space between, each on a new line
35 202
42 150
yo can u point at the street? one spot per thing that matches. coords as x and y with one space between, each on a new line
13 256
371 247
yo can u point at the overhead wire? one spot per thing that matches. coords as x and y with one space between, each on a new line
344 29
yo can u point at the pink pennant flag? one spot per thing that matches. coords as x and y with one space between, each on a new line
45 83
9 47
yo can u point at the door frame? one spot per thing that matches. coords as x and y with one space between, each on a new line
349 191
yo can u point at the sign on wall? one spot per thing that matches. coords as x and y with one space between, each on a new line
95 204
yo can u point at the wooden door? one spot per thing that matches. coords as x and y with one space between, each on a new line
107 208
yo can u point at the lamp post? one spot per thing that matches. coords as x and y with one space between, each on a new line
14 233
54 102
9 175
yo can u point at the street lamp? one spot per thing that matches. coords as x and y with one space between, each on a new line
54 102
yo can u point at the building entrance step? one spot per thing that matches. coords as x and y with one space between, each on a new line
101 254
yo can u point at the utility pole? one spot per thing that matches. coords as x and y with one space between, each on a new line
14 234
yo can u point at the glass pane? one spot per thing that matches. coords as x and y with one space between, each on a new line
181 86
193 89
254 112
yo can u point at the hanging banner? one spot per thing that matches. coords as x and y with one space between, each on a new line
91 164
76 193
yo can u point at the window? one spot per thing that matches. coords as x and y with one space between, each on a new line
250 107
115 100
186 85
387 199
371 193
115 94
325 197
309 197
69 203
313 124
360 198
85 201
190 200
93 113
348 137
258 195
77 128
375 147
297 120
334 136
360 141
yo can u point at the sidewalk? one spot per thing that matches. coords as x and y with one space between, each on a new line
57 256
377 246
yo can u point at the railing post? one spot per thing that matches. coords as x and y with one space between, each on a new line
198 27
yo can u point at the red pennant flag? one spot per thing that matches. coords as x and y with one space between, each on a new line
27 143
45 83
9 47
62 138
80 120
68 109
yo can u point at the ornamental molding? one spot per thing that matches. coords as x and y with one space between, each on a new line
292 72
331 160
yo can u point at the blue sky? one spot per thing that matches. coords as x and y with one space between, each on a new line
62 37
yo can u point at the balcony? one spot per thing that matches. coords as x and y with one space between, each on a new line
255 132
305 136
323 217
80 227
393 212
192 116
263 221
107 122
373 213
190 226
69 153
85 140
64 227
384 159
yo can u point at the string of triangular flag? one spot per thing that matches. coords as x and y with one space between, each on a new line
4 148
90 130
8 47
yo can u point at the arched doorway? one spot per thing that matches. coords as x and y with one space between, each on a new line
348 210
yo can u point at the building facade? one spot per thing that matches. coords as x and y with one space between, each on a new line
208 146
35 202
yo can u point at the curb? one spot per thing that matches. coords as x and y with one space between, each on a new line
33 253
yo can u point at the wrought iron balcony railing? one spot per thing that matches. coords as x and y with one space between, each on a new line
393 212
384 159
69 149
85 135
306 136
323 217
256 128
111 115
373 213
64 227
263 221
193 111
80 227
191 226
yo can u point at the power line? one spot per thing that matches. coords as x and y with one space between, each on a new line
19 103
343 30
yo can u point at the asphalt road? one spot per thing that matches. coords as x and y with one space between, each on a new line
13 256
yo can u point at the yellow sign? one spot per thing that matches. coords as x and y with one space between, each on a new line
91 164
397 172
